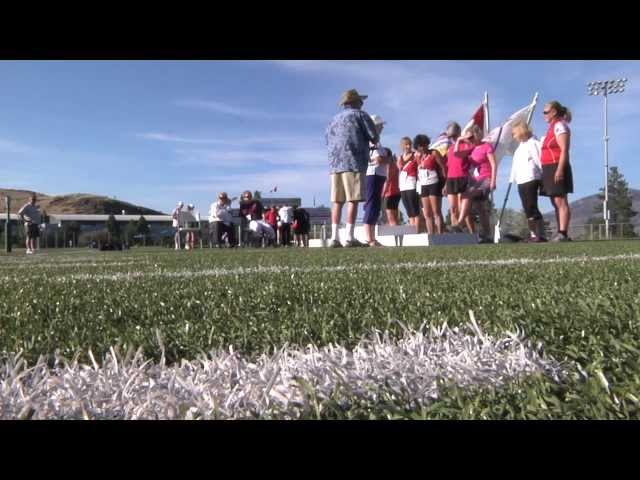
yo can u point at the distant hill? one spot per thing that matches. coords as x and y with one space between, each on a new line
75 203
582 209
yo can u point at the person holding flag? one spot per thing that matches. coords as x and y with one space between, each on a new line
458 165
479 186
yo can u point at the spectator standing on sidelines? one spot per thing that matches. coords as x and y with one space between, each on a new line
348 137
176 224
31 216
301 227
191 226
286 217
375 180
271 217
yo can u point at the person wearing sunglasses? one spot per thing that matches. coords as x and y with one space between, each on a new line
557 177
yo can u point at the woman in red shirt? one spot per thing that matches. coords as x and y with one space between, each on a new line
557 178
408 179
391 191
431 173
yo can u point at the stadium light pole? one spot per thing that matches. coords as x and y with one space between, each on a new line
606 88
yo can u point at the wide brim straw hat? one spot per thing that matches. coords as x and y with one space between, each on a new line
351 96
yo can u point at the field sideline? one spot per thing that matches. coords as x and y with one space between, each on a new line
509 331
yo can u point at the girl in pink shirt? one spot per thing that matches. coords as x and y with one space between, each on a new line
482 157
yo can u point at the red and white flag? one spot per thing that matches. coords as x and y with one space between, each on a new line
480 117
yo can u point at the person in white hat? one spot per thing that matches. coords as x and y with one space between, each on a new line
176 224
348 137
374 183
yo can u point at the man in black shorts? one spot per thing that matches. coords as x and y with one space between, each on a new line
31 216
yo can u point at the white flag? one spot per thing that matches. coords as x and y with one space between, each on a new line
500 137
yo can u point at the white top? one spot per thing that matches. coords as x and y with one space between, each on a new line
175 215
427 177
560 128
406 182
220 213
373 169
286 214
526 162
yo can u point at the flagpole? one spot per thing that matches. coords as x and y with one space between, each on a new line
486 113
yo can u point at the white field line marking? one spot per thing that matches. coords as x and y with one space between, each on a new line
217 272
293 382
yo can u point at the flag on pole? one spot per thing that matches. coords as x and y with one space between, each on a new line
274 189
479 118
500 137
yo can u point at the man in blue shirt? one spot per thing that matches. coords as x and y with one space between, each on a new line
348 137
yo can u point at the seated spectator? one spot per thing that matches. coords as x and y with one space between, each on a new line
220 221
251 213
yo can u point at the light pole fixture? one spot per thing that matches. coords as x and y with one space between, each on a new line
605 89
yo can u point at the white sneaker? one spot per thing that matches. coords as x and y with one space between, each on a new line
29 252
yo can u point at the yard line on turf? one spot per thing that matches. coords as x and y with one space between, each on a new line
217 272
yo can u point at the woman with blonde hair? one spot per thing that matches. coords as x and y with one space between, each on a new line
557 177
526 171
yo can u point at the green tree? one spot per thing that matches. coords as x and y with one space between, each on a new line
143 226
257 195
131 231
113 228
620 205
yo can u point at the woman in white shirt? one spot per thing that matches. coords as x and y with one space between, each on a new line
526 171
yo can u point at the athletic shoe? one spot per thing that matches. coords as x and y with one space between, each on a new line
29 252
558 237
355 243
335 244
456 229
375 244
484 240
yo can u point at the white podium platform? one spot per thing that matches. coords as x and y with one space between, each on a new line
385 235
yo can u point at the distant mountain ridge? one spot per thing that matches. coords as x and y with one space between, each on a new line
74 203
582 209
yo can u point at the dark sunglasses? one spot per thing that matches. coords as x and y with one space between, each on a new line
546 112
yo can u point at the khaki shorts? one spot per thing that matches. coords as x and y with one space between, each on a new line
347 187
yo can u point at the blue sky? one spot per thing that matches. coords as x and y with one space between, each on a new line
155 132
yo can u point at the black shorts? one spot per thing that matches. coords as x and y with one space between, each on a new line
302 229
457 185
433 190
410 202
552 189
529 195
31 230
392 202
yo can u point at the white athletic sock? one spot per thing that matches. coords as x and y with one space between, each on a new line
334 232
350 228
